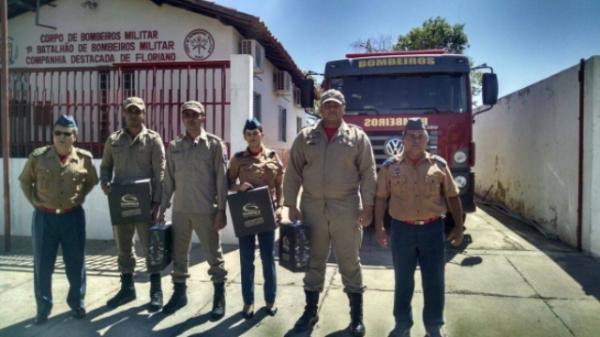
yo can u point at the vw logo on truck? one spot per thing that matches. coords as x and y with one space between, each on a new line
393 146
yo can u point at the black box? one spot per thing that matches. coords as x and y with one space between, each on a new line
294 246
130 202
160 247
252 211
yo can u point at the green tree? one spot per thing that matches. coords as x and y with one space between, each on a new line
435 33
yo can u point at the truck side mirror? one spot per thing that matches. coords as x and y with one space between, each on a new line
489 90
307 96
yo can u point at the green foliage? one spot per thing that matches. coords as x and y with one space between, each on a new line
435 33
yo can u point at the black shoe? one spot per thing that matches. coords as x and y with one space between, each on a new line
248 311
271 310
156 295
125 295
309 318
218 309
356 327
178 300
42 315
78 313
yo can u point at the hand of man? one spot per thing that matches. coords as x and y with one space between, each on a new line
160 215
278 216
365 217
382 237
154 210
456 236
105 188
245 186
294 214
220 220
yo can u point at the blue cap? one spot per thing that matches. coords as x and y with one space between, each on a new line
66 121
252 124
414 124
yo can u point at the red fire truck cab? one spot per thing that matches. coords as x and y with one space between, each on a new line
383 90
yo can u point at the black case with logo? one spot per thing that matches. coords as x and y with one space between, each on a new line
130 202
252 211
160 248
294 246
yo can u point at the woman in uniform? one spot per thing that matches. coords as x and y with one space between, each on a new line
255 167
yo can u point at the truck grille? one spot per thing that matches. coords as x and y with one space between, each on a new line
378 140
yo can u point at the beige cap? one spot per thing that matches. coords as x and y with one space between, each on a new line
333 95
194 106
134 101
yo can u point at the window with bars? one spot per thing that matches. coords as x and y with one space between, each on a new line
282 124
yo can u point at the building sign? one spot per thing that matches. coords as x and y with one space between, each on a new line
108 47
199 44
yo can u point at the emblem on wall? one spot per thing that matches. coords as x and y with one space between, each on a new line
199 44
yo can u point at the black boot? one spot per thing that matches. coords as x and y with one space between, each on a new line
125 295
356 327
156 295
218 309
178 300
309 318
43 312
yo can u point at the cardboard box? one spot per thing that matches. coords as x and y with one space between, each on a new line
160 248
294 246
252 211
130 202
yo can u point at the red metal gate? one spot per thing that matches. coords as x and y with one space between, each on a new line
94 97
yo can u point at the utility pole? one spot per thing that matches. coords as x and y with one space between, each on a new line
5 122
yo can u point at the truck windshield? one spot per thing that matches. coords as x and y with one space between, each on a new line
403 93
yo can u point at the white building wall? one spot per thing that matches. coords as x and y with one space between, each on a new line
527 153
591 185
116 16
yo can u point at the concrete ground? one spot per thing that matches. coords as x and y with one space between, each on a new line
510 281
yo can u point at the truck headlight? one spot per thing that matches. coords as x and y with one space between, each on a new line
461 181
460 157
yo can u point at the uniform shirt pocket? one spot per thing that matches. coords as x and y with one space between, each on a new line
433 184
399 184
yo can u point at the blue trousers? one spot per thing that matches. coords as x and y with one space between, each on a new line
422 244
266 241
48 232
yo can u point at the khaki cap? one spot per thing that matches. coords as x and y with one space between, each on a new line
194 106
134 101
333 95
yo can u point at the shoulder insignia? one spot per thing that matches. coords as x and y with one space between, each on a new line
40 151
272 154
439 159
84 153
354 126
389 161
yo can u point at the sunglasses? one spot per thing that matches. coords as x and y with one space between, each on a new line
62 133
133 111
190 114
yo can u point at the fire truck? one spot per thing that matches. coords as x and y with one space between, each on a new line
383 90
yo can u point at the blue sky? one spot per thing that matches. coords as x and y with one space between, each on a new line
525 41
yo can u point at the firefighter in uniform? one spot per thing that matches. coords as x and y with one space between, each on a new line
131 153
333 163
56 180
255 167
196 178
420 189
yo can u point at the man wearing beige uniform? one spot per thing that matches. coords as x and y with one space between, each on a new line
133 153
333 163
418 186
196 175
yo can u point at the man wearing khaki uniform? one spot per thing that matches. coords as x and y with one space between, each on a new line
333 162
196 175
420 188
133 153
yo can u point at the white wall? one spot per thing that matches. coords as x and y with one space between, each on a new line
527 153
591 186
